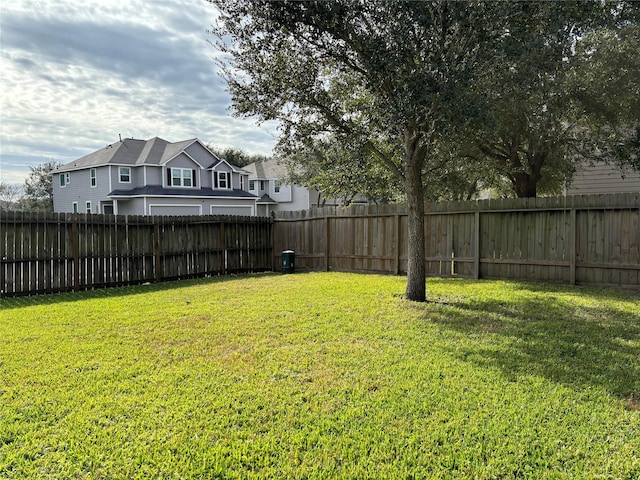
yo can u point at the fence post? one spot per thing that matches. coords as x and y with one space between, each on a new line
572 246
327 242
75 252
398 242
476 246
156 249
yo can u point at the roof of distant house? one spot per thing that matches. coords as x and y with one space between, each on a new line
267 169
131 151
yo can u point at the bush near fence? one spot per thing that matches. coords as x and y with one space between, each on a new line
591 239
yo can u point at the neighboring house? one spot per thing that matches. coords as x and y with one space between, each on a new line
152 177
603 178
266 182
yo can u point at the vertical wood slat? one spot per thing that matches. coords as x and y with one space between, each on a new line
513 238
42 252
581 240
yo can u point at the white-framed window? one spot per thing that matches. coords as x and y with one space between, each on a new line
182 177
242 182
125 174
88 207
276 186
75 207
64 180
263 185
223 180
93 177
252 185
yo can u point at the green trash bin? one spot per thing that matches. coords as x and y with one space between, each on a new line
288 257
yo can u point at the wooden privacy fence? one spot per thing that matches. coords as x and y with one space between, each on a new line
45 252
577 239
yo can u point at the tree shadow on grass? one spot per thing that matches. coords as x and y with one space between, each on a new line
571 336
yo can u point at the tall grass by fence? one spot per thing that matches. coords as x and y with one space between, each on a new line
44 252
577 240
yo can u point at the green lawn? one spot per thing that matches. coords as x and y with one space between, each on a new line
321 375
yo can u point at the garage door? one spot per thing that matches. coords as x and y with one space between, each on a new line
175 210
244 210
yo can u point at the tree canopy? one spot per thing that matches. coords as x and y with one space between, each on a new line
392 74
38 187
430 93
562 95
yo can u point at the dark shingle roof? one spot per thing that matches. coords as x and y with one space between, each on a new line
266 199
157 190
131 151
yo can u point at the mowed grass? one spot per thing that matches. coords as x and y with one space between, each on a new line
321 375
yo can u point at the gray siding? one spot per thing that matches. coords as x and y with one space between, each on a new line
145 171
200 154
602 178
79 190
137 177
154 175
182 161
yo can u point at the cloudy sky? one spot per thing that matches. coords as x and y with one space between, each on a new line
76 74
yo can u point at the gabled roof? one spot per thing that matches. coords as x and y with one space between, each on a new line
266 199
267 169
131 151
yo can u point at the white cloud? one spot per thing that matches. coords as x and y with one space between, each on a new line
76 74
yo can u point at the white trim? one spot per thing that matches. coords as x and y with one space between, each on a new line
182 170
229 197
75 208
144 174
228 180
110 179
184 150
88 208
94 177
233 169
120 176
161 205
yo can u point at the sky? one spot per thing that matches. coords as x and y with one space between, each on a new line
76 74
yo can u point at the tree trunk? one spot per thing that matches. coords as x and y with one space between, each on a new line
416 272
525 185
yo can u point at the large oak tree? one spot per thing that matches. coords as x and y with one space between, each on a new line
378 73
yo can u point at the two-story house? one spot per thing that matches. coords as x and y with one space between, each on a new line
274 195
152 177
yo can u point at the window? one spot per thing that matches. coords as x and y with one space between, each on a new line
263 185
242 182
75 207
276 186
125 174
223 180
182 177
252 184
94 179
88 207
64 179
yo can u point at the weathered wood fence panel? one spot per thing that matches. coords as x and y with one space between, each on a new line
577 239
42 253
